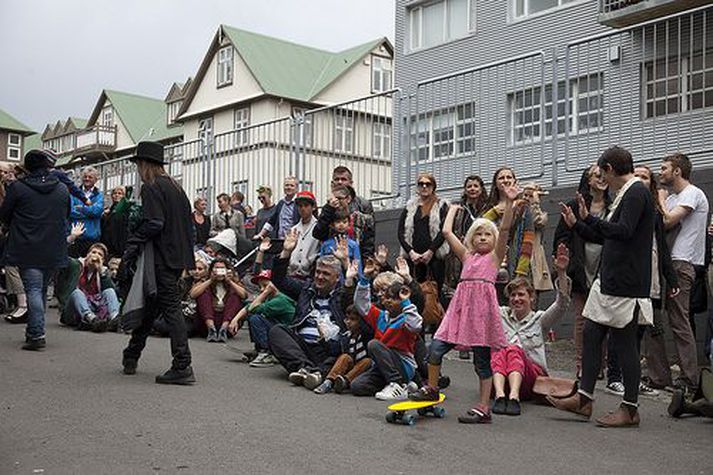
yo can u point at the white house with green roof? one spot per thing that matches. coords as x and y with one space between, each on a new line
12 135
119 121
239 113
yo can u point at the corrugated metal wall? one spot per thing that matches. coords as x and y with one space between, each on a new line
574 89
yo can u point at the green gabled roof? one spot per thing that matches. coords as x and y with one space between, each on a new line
79 122
8 122
139 114
31 142
291 70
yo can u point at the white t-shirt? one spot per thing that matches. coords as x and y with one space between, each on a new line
691 240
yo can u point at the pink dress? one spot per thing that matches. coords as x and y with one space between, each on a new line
473 316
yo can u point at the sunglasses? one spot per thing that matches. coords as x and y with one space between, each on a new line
425 184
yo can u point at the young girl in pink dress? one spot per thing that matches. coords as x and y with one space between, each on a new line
473 316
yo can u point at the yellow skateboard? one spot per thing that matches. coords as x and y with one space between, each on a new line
398 413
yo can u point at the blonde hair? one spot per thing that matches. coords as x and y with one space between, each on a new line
387 279
477 224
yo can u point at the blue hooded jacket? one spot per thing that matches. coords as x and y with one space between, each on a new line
89 215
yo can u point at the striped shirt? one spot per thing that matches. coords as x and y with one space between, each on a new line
320 310
357 347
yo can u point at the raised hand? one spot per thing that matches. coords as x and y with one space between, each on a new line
511 192
561 259
454 207
265 244
402 269
568 215
333 201
582 205
370 269
342 250
382 252
352 270
77 230
290 242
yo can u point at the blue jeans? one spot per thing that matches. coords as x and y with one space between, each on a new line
259 327
481 357
82 306
35 282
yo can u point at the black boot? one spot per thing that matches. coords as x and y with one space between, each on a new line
129 365
177 376
34 345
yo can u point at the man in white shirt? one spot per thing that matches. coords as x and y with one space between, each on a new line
307 249
685 212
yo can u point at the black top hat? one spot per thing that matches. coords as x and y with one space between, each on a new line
149 151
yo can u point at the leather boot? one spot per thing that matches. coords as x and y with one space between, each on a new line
576 404
620 418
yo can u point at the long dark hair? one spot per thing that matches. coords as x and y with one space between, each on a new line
494 197
585 190
482 199
653 187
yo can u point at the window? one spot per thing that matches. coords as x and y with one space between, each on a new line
439 22
381 147
14 139
525 8
67 143
678 84
344 132
444 133
172 111
205 129
304 126
108 117
225 66
381 73
241 186
585 102
13 153
242 121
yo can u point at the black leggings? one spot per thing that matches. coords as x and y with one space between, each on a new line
624 341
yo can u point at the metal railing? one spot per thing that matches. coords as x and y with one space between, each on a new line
96 136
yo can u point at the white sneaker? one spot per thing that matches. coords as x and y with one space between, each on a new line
412 387
616 388
262 360
392 392
645 390
298 377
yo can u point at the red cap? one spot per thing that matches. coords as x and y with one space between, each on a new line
306 195
264 274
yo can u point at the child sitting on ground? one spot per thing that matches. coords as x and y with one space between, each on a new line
393 347
352 362
269 308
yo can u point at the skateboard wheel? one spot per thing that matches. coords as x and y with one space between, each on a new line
409 419
391 417
439 412
422 412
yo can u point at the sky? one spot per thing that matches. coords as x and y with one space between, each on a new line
56 56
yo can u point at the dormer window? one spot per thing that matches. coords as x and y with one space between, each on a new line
225 66
381 73
172 111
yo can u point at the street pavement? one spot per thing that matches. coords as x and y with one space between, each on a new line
70 410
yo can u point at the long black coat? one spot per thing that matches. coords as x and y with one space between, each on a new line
37 210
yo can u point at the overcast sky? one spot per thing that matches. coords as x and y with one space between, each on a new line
57 55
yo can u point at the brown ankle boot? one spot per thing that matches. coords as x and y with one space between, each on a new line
622 417
576 404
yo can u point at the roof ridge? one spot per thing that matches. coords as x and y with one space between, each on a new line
114 91
274 38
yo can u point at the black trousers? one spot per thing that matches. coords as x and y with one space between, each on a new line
167 304
387 368
294 353
625 344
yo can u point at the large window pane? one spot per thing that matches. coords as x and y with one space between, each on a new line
433 24
540 5
457 18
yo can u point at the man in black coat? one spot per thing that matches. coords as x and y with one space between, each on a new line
620 295
166 227
36 208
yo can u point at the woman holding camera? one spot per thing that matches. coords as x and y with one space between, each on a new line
219 299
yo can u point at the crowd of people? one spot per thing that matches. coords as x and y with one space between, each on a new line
317 296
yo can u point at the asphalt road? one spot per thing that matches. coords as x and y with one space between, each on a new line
70 410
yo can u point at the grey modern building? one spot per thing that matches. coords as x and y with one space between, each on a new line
545 85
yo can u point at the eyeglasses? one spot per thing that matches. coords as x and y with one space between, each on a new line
425 184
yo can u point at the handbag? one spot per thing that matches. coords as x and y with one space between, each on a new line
432 309
558 388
